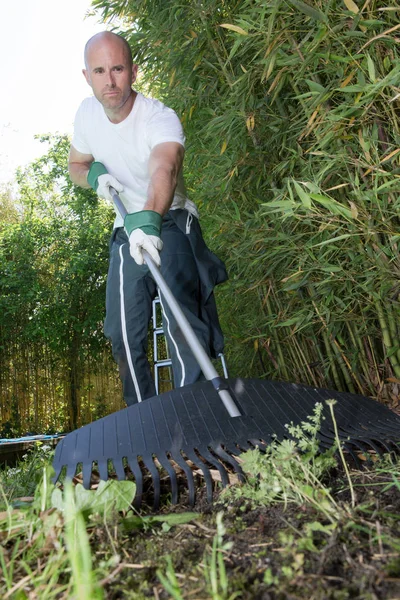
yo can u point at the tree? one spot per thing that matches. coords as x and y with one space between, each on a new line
52 294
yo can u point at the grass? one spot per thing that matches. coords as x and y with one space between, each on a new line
296 529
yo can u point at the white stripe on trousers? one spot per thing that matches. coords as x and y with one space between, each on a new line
123 325
182 383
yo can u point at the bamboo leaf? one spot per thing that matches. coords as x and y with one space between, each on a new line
371 69
334 207
345 236
304 197
351 89
235 28
308 10
315 87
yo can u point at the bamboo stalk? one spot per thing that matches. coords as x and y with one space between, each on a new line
387 339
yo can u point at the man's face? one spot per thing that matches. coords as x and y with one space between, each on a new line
109 73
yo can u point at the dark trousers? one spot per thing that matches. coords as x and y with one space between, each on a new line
131 290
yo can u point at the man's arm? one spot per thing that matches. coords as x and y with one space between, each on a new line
78 167
164 165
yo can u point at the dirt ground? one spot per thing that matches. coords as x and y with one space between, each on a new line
276 553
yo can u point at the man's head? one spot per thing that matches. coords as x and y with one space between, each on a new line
109 70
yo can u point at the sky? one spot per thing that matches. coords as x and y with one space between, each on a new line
41 50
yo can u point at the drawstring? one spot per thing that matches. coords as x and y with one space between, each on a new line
189 223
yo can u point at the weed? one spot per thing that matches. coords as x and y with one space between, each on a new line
214 565
170 581
290 471
80 558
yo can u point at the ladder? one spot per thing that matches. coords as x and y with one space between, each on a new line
163 377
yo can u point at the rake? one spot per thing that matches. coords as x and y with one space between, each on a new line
209 424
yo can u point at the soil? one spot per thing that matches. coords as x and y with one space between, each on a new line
276 553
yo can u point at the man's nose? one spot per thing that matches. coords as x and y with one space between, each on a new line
110 79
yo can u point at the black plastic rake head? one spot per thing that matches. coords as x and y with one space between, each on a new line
191 425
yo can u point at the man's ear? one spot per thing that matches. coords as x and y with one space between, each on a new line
134 73
87 77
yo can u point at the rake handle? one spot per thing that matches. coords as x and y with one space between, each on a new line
208 369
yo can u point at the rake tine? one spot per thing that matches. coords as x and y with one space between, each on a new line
119 469
396 445
87 474
374 446
71 470
155 476
57 474
354 456
204 469
258 444
213 461
103 469
234 449
326 436
231 461
390 446
137 474
360 446
164 462
177 457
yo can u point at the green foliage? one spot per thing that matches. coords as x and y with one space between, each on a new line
215 570
154 522
22 479
290 471
53 267
109 497
170 581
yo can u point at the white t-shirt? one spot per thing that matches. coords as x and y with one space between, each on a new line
124 148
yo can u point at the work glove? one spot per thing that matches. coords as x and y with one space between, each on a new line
143 229
100 180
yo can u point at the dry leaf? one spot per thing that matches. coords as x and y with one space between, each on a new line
351 6
234 28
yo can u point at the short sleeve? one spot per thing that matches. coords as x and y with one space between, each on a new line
164 126
78 140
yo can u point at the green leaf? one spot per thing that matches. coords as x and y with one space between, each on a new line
371 69
345 236
110 495
137 522
308 10
115 494
314 86
304 197
334 207
351 89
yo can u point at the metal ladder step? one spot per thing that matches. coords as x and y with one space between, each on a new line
164 362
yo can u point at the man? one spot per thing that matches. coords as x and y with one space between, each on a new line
136 145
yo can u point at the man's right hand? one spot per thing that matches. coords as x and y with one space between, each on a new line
100 180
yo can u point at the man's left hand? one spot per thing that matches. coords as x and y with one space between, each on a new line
139 241
144 230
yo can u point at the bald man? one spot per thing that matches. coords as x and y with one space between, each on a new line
136 145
